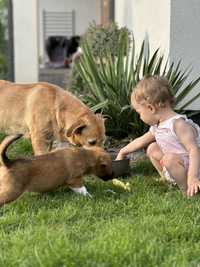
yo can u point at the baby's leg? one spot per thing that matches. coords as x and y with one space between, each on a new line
172 162
175 166
155 155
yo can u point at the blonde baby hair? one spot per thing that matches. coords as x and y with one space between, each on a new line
154 90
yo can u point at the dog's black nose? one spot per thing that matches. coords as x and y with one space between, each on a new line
107 177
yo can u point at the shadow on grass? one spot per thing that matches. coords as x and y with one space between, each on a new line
143 166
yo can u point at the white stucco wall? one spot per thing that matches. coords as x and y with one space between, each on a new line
25 40
148 20
171 25
185 39
86 11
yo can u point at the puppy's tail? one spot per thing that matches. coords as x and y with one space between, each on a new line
4 160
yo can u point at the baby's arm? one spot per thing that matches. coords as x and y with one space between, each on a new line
187 135
136 144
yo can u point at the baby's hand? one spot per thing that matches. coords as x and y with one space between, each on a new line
120 156
193 187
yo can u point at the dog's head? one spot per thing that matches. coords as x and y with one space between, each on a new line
88 130
102 164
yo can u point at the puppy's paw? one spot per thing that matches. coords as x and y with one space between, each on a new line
88 195
81 190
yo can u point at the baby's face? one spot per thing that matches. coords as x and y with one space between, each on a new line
146 111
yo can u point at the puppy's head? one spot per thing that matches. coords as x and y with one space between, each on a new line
102 164
88 130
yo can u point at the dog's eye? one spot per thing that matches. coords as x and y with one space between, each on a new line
92 142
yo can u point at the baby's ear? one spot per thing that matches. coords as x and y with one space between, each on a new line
151 108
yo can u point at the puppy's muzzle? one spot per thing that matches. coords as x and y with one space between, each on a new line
107 177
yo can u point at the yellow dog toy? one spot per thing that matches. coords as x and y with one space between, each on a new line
126 186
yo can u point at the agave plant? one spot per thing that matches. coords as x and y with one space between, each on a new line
110 80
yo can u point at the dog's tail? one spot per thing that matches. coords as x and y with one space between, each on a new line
4 160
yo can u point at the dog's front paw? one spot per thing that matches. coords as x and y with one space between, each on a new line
88 195
81 190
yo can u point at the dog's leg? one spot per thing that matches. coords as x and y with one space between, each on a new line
40 142
81 190
76 185
39 146
9 195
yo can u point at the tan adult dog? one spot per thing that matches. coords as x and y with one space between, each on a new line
45 112
46 172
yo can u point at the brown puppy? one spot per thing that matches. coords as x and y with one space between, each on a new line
46 172
45 112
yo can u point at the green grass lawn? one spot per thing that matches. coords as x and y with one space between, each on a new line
153 225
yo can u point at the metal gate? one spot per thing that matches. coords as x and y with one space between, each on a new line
58 23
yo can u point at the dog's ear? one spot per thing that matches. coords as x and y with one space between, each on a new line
76 128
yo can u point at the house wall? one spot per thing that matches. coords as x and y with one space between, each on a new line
85 12
172 26
25 38
185 39
148 20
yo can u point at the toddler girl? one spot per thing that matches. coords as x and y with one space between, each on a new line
173 141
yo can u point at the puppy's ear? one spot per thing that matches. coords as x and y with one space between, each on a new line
76 128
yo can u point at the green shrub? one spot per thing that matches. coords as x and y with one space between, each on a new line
3 67
106 39
109 79
102 40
